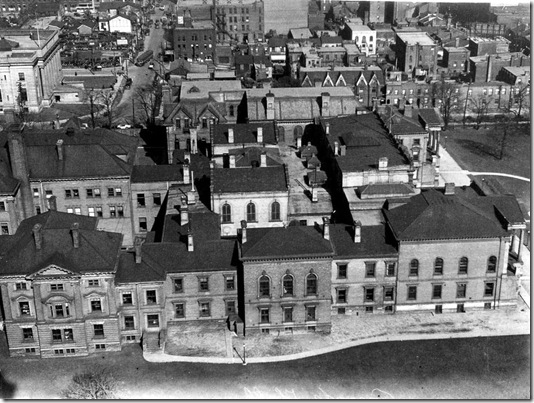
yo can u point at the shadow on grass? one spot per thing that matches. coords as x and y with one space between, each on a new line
7 389
479 148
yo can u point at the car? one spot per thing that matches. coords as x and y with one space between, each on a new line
124 126
151 66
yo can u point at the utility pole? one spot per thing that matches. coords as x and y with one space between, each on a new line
466 101
133 111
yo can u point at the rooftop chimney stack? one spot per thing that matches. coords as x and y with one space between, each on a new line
138 243
382 163
193 141
187 157
269 112
326 228
52 203
190 245
343 150
232 160
243 231
263 159
336 148
260 134
357 231
75 231
458 42
449 189
186 173
59 146
315 198
37 236
327 128
184 212
231 135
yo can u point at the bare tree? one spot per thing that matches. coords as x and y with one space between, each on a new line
92 384
444 95
22 99
149 100
106 97
519 100
91 97
479 106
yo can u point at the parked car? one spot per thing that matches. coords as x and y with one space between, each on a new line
124 126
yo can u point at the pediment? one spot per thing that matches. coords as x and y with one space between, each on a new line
53 271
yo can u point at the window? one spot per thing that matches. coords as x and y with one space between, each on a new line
342 271
99 211
388 309
231 110
414 267
68 193
412 292
226 213
21 286
111 192
436 291
100 346
141 200
93 283
341 296
265 286
56 287
27 334
127 298
390 269
118 192
4 228
275 211
112 211
251 212
178 284
492 264
96 305
264 315
93 192
68 335
460 308
489 289
129 323
56 336
370 269
91 211
142 224
462 267
179 310
438 309
120 211
230 283
151 297
203 284
21 77
24 307
310 314
461 290
487 305
388 293
287 283
157 199
77 210
368 309
2 206
152 320
369 295
30 350
438 266
230 307
288 314
204 309
311 284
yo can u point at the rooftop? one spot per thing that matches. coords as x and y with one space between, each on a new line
412 38
250 180
244 133
201 88
373 243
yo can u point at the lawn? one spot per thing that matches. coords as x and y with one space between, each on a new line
479 151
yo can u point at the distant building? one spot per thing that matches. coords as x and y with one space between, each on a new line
362 35
239 21
195 40
417 53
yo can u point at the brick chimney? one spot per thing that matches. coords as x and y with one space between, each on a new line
449 189
357 225
343 150
260 134
269 112
315 198
190 245
457 42
184 211
326 228
263 159
336 148
243 231
187 174
231 135
327 128
231 158
37 236
383 163
59 146
75 231
138 243
52 203
193 140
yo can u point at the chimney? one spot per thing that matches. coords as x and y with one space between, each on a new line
260 134
243 231
137 248
75 231
326 228
190 245
232 161
184 213
408 110
410 177
231 135
357 225
327 128
263 159
59 146
435 161
171 145
336 148
193 140
383 163
37 235
488 75
299 142
343 150
449 189
315 198
325 104
187 157
458 42
187 174
52 203
270 106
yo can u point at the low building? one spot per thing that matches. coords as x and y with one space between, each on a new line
362 35
195 40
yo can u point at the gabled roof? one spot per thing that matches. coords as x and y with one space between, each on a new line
285 243
250 180
373 243
430 116
251 156
432 215
244 133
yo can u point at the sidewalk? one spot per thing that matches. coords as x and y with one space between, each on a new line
450 171
351 331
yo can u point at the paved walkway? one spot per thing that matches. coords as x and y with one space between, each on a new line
450 171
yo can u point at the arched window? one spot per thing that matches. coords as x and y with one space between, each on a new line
251 212
411 58
462 267
275 211
492 264
264 286
226 213
287 283
311 284
414 267
371 38
438 266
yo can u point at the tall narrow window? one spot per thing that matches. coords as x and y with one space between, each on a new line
264 315
438 266
414 267
489 289
310 313
226 213
288 284
412 293
369 294
341 296
251 212
288 314
461 290
275 211
436 291
462 266
492 264
311 284
264 286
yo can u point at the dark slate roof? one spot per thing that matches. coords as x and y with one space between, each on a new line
306 151
283 243
193 108
433 215
199 164
351 76
251 156
250 180
158 259
56 220
204 224
87 136
8 184
386 189
430 117
98 251
5 46
244 133
366 139
374 242
92 82
331 39
157 173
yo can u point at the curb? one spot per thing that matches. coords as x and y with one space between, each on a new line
161 357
